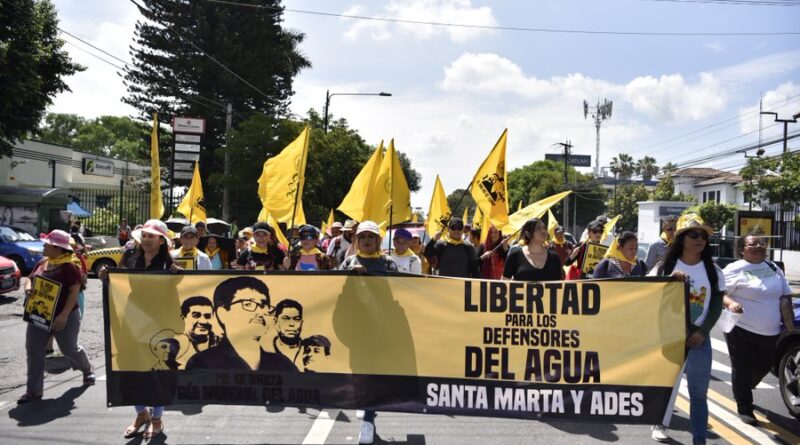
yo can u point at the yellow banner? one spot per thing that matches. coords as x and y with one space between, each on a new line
354 340
593 254
40 306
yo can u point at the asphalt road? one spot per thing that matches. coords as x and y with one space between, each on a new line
71 414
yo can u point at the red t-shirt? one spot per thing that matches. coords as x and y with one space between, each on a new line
67 275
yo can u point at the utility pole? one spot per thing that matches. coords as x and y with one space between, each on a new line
227 168
599 112
567 150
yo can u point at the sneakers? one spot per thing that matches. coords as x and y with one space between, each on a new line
367 433
359 414
659 433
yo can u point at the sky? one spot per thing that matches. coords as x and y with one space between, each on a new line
455 89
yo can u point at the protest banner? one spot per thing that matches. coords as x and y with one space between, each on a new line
187 263
607 350
40 305
593 254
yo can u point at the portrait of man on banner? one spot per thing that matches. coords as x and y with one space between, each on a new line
41 303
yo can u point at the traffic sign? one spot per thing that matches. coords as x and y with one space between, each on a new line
180 156
574 160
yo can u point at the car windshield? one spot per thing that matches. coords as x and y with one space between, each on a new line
10 235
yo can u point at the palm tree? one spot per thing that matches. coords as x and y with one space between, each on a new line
647 167
669 168
622 166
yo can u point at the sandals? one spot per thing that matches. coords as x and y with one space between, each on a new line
155 428
142 419
89 378
29 397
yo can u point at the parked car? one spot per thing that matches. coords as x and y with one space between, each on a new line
787 365
9 275
96 259
20 247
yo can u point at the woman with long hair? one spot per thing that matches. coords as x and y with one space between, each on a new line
493 257
689 259
533 262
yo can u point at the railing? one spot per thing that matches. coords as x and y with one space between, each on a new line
108 207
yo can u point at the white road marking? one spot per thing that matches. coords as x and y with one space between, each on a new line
717 366
101 378
320 429
4 404
751 432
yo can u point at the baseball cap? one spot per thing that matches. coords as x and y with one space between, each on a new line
368 226
261 226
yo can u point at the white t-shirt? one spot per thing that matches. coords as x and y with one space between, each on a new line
201 261
699 288
408 263
758 289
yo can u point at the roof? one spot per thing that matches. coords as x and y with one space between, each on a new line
727 178
698 172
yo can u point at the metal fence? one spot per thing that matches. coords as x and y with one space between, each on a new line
105 208
786 226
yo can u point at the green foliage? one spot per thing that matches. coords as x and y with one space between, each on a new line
113 136
457 204
776 179
647 167
665 191
622 166
624 202
545 178
715 215
32 64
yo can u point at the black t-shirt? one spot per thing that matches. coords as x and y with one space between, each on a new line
520 269
271 260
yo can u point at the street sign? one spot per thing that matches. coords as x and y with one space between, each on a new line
181 175
574 160
185 166
192 148
187 138
180 156
188 125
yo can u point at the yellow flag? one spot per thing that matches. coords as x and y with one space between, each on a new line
485 225
488 186
439 210
477 218
327 224
608 230
192 206
266 216
536 210
356 201
280 186
465 216
414 218
551 224
389 192
519 206
156 201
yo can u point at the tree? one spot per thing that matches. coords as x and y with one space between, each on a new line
625 203
545 178
646 167
32 65
665 191
174 74
778 178
60 128
457 204
715 215
669 167
622 166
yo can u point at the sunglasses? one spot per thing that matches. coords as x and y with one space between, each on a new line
694 234
596 230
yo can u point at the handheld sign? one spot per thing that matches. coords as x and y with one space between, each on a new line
593 254
187 263
40 305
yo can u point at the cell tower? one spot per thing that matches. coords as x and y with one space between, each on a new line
599 112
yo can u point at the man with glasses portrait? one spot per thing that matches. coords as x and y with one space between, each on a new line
242 308
657 250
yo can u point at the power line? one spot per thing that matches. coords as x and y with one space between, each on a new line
737 150
502 28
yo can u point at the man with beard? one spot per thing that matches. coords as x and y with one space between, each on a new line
197 328
289 323
241 305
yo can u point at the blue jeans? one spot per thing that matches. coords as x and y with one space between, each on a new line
698 374
158 411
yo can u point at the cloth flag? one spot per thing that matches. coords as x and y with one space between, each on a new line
192 206
156 200
608 230
465 216
355 203
390 198
439 210
280 186
536 210
552 223
266 216
489 187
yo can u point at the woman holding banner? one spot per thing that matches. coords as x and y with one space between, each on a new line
62 277
151 253
595 233
620 260
689 259
533 262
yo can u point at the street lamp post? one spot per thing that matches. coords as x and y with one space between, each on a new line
328 96
759 153
785 127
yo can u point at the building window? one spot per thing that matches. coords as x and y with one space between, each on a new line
713 195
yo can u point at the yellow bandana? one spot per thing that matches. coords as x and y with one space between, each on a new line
664 237
369 255
614 252
559 243
453 241
313 251
188 253
255 248
63 259
212 253
408 252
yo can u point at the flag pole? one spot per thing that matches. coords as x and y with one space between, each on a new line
391 196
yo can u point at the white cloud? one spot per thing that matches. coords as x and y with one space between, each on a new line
716 47
667 98
441 11
782 100
761 68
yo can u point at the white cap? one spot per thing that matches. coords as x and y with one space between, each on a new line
368 226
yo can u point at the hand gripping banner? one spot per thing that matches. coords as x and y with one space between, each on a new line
603 350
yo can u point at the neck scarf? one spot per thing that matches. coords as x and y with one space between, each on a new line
559 243
313 251
369 255
614 252
63 259
454 242
212 253
408 252
664 237
255 248
188 253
